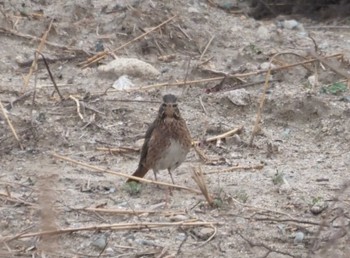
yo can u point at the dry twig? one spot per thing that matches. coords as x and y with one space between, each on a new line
119 150
38 50
268 248
82 164
260 166
4 112
115 227
237 75
30 37
78 106
198 177
132 212
103 54
222 136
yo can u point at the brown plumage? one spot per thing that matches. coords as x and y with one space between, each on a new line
167 141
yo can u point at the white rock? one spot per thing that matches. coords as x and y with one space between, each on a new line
123 83
239 97
192 10
312 80
290 24
298 238
129 66
266 65
263 33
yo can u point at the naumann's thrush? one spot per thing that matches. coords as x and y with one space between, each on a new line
167 141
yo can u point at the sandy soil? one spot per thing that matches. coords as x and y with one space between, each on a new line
297 205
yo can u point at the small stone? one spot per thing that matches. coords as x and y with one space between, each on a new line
290 24
181 236
286 133
123 83
266 66
298 238
192 10
318 207
100 242
263 33
312 80
203 233
234 140
179 218
240 97
284 189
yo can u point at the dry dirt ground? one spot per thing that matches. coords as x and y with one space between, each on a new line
297 205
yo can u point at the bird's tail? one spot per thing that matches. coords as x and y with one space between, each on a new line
141 171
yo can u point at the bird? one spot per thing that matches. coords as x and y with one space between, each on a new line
167 141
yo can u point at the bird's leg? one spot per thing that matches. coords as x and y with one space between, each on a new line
155 174
172 179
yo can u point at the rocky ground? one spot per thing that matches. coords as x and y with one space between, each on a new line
295 205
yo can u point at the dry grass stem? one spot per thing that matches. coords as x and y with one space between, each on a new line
256 127
133 212
198 177
119 150
330 65
78 106
108 171
237 75
39 49
234 169
115 227
16 200
206 48
200 153
30 37
224 135
103 54
4 112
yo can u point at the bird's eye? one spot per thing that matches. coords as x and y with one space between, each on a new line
174 105
163 105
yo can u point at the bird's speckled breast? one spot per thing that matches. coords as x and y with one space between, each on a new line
172 157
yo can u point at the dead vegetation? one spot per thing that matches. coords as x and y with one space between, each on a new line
67 142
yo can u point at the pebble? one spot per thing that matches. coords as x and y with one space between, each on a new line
266 66
318 207
299 237
181 236
290 24
100 242
192 10
123 83
179 218
203 233
240 97
263 33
